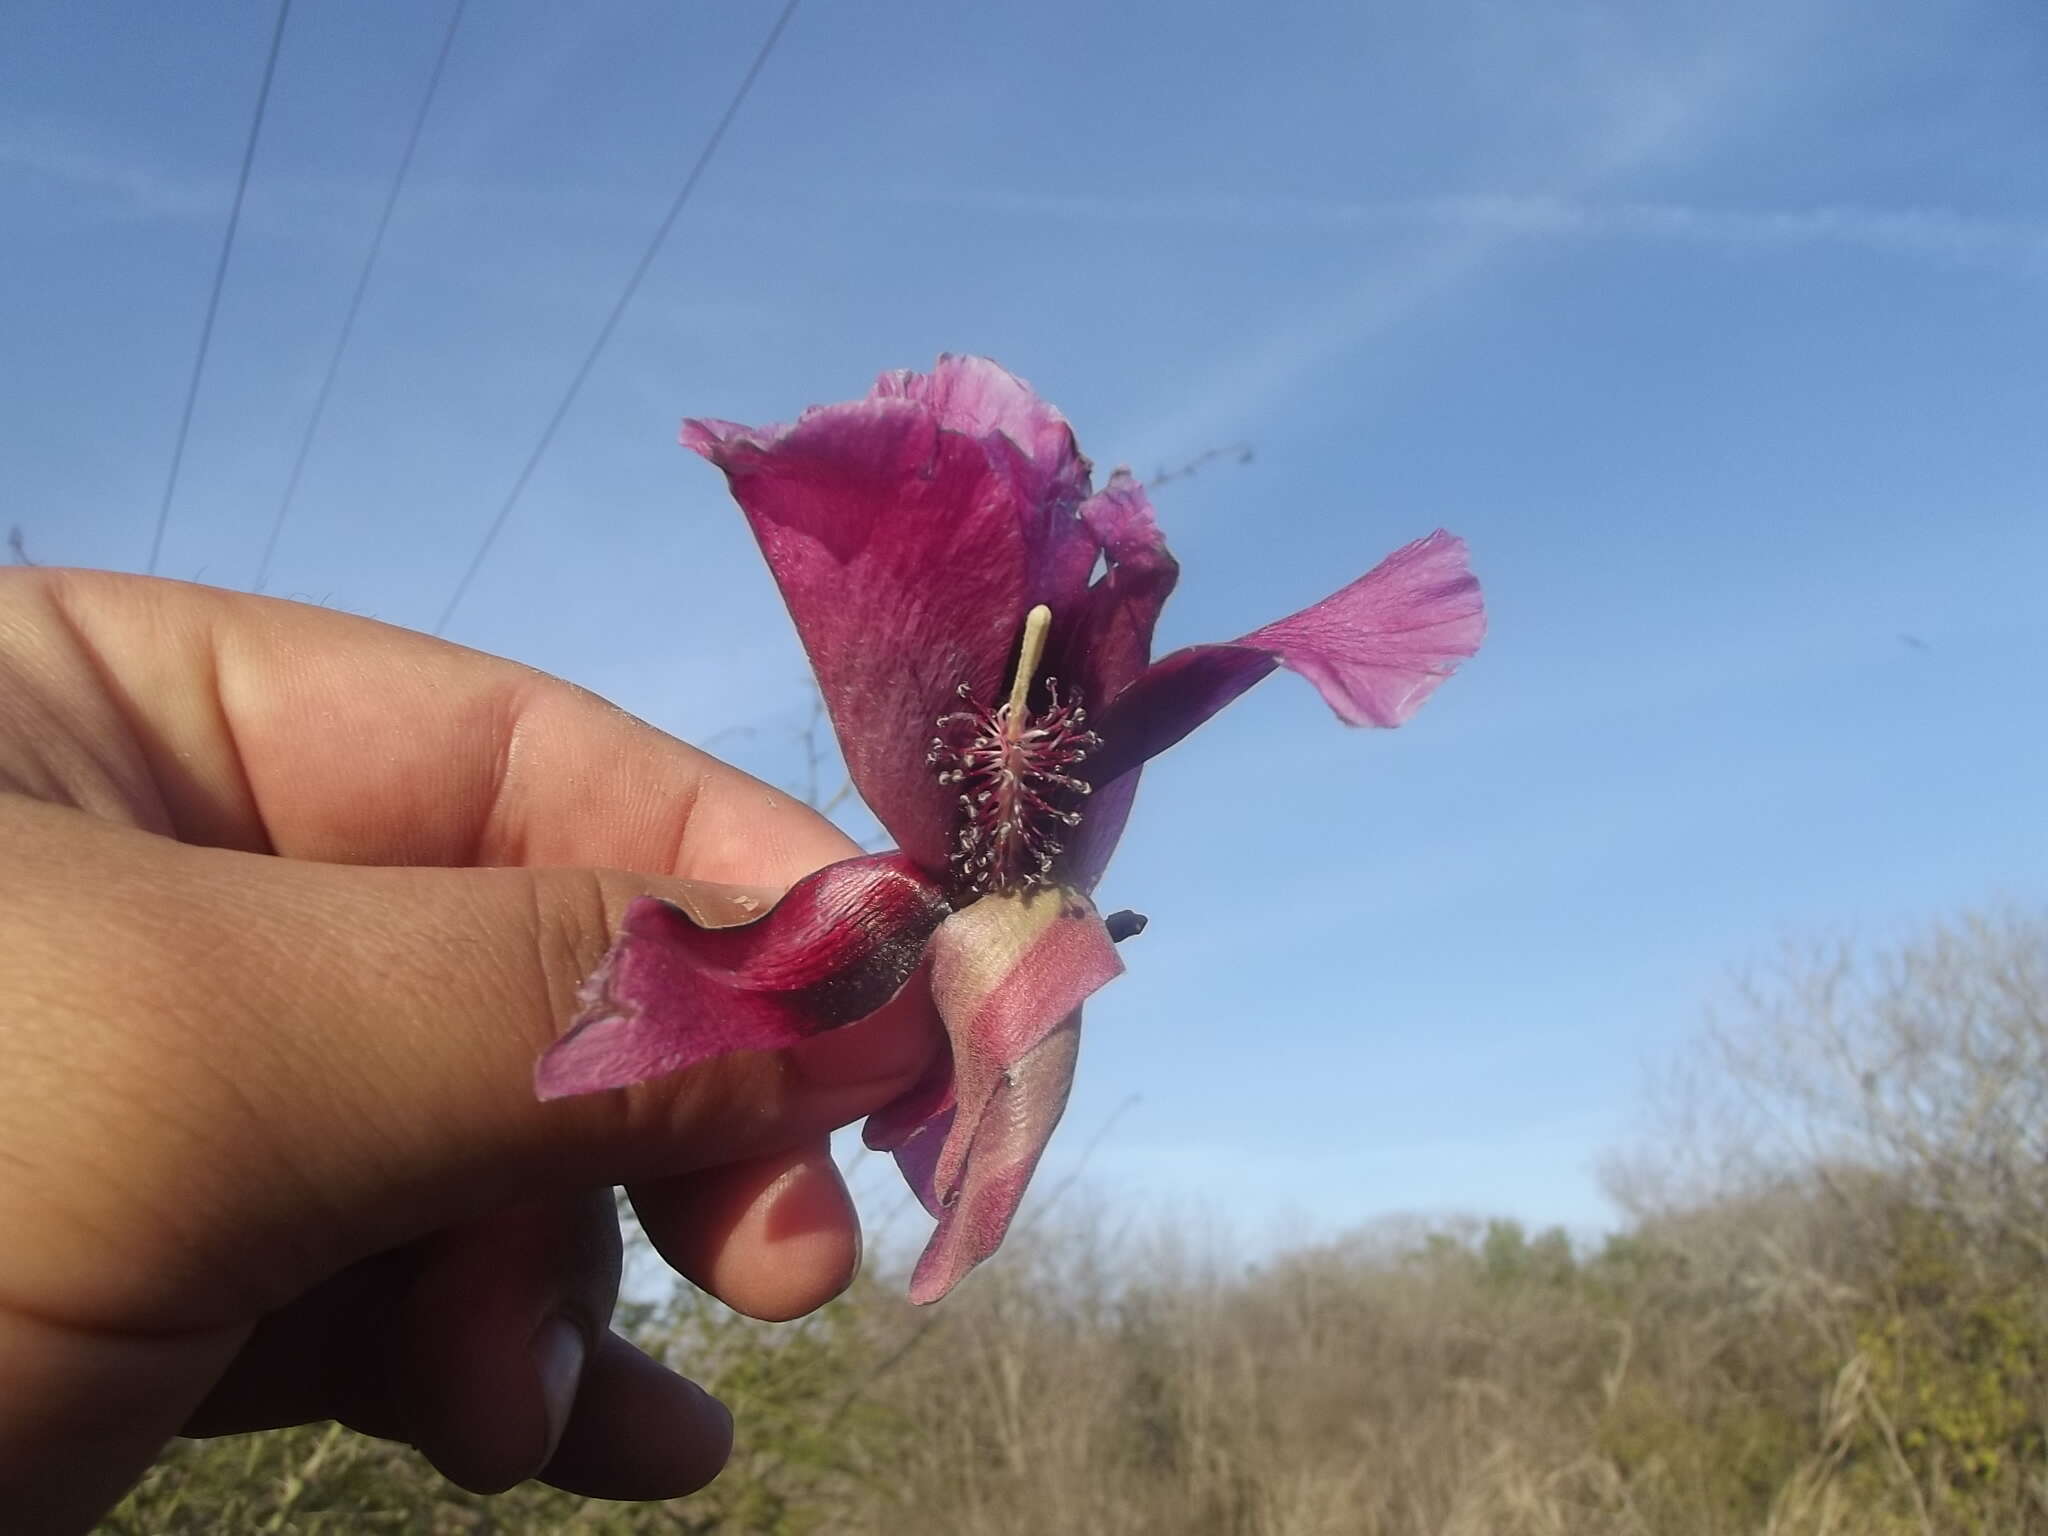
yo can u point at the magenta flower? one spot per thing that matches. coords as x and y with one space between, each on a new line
938 545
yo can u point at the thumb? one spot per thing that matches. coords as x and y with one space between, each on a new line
234 1073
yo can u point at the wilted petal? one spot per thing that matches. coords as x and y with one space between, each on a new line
1374 651
910 532
673 992
1009 1138
1009 974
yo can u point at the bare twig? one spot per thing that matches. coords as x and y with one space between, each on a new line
1238 453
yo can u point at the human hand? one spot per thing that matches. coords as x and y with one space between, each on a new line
289 904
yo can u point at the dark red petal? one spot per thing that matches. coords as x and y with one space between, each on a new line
672 993
917 1106
1374 651
910 532
913 1127
1009 974
1103 815
1103 644
917 1158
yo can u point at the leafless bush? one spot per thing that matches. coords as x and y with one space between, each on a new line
1862 1168
1925 1062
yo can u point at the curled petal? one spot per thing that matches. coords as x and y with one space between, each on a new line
1009 1137
673 992
1105 643
1009 974
1381 646
1374 650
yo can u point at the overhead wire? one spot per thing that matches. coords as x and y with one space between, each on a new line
355 302
220 275
618 310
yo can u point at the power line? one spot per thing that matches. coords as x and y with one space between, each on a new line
355 302
220 276
611 322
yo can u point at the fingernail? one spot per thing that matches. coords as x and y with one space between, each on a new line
558 1356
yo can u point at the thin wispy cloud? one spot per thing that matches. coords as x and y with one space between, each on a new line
1944 234
2018 245
122 186
102 179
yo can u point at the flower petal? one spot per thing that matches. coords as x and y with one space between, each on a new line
1103 816
1009 1138
917 1159
981 399
673 992
1105 643
910 532
1374 651
913 1128
1009 974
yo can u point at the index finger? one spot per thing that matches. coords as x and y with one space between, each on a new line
265 725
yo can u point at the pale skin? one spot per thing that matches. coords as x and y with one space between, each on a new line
290 902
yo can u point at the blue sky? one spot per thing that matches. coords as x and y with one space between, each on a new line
1721 333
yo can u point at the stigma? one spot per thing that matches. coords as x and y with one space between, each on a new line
1012 769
